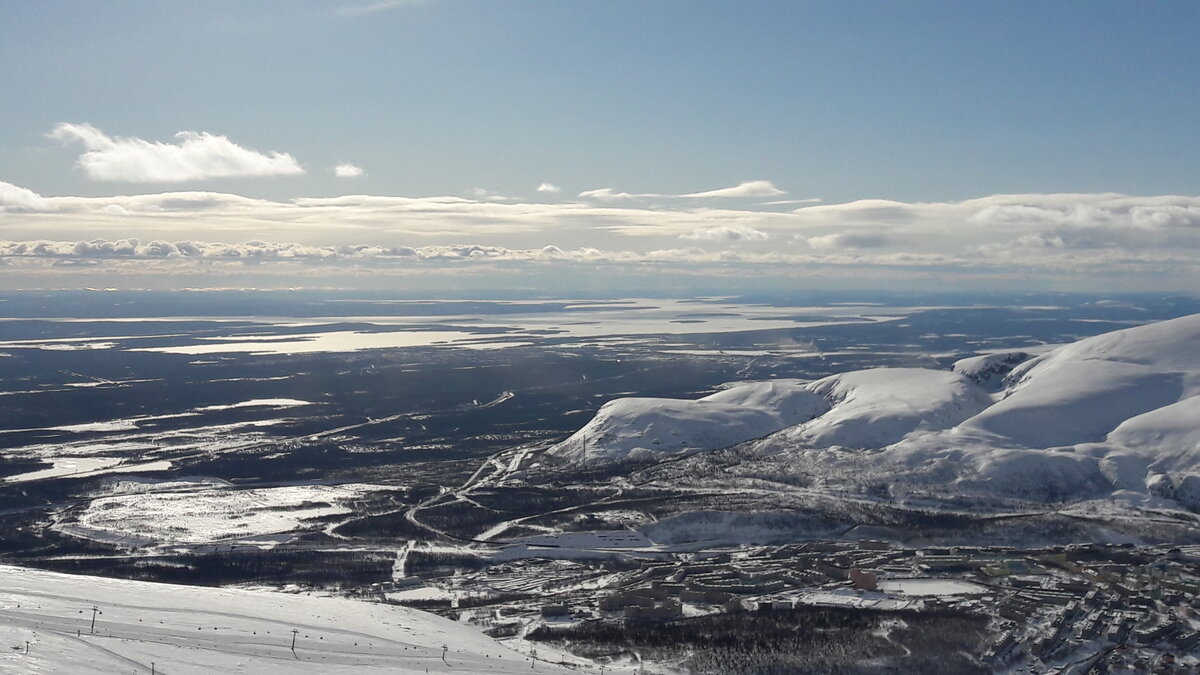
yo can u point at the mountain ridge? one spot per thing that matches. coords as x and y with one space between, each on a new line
1115 415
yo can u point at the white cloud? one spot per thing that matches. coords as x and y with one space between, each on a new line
14 198
611 195
789 202
725 233
875 211
372 264
1165 216
753 188
1073 215
490 195
132 247
348 171
1039 234
197 156
549 188
853 241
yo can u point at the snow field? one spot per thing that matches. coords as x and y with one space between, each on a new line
209 513
186 629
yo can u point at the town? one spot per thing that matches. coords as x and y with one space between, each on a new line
1087 608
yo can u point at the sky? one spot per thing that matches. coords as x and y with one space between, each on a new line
545 143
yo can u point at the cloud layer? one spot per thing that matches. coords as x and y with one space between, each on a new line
725 233
848 241
1034 236
196 156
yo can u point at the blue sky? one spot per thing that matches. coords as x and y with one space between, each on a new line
914 102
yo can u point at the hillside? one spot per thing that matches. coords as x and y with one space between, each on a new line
1112 415
629 428
186 629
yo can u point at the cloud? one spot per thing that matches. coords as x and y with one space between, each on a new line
1165 216
789 202
348 171
100 248
724 233
852 241
549 188
876 211
611 195
197 156
753 188
490 195
1080 222
16 199
276 264
132 247
1074 215
1040 234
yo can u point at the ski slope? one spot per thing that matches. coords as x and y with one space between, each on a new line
189 629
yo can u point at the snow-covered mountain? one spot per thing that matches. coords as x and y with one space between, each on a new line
1113 415
47 628
633 428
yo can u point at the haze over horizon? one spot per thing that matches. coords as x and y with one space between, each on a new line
560 146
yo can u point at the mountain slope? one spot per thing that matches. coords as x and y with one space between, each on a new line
866 408
629 428
188 629
1080 392
1108 415
878 407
